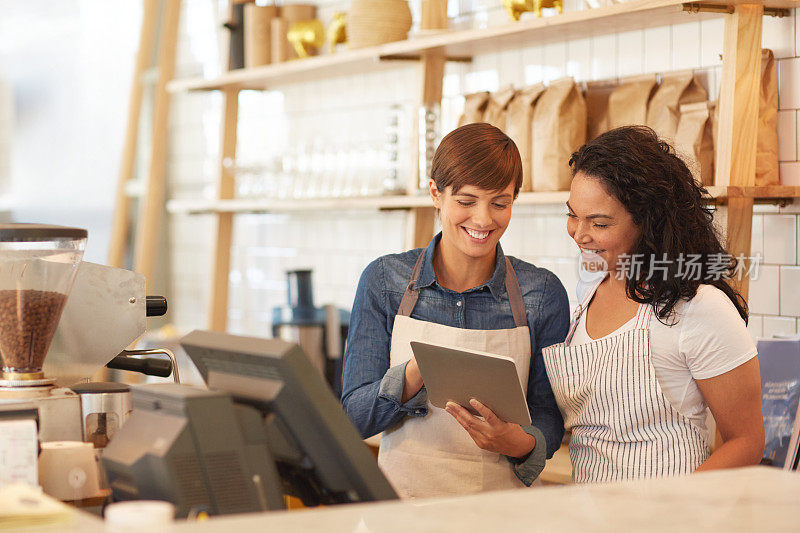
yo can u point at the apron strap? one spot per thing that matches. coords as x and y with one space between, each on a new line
515 296
411 295
576 315
643 316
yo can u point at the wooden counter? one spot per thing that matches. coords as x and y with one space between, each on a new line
749 499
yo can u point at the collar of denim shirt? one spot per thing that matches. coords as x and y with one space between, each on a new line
496 284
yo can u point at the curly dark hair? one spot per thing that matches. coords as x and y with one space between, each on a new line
666 203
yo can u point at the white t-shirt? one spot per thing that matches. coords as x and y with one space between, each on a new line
709 339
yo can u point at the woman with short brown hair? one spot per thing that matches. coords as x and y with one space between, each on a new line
460 291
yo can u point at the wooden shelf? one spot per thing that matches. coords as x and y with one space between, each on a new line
770 192
339 204
290 205
720 194
634 15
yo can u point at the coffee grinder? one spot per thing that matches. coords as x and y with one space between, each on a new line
38 265
62 320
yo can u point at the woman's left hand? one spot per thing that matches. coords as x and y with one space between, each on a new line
491 433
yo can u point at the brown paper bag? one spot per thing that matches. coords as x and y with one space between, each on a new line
628 103
767 137
496 108
676 89
559 128
767 169
519 127
474 107
694 141
596 95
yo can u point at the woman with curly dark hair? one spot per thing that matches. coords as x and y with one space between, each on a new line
662 335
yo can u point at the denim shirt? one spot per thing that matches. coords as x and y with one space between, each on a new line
372 390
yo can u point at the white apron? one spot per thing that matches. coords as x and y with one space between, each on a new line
434 455
623 427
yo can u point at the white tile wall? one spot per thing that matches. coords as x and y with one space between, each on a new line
630 59
685 52
657 49
579 59
339 245
757 235
789 83
779 325
765 291
790 173
604 50
780 246
533 64
787 135
777 34
755 325
711 37
790 291
796 34
555 61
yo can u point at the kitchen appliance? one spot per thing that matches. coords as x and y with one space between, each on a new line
62 320
104 408
320 331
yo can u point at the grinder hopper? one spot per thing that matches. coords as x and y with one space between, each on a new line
38 264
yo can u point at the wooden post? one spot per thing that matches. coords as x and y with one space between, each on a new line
119 225
419 227
152 205
736 145
431 76
739 94
736 148
220 268
420 221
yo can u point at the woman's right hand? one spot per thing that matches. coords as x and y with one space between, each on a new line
413 382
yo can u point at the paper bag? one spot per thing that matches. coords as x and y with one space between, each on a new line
767 136
694 141
558 129
596 95
519 121
676 89
496 108
627 104
767 133
474 106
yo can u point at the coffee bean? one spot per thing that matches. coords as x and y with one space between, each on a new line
28 321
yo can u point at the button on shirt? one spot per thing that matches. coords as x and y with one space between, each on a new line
372 391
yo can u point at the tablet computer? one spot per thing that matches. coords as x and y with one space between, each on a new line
455 375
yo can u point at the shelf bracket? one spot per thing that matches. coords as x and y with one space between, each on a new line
694 7
417 57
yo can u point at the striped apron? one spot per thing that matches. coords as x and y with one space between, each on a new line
623 427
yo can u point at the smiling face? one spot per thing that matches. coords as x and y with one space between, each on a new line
473 219
599 224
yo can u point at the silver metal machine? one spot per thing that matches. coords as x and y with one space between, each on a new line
62 320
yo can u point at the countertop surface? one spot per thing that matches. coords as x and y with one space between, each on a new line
748 499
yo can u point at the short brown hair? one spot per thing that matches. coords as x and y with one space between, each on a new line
477 154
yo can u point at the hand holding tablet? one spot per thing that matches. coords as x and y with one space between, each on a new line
454 375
